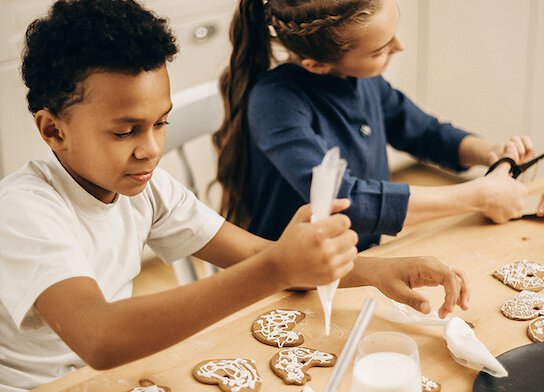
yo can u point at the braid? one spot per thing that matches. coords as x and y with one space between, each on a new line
304 28
316 29
250 38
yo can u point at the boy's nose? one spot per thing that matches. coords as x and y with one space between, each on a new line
149 147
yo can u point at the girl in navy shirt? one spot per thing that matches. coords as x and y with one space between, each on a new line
280 122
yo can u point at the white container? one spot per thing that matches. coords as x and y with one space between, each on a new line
386 362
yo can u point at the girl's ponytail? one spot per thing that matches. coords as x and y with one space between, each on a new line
251 55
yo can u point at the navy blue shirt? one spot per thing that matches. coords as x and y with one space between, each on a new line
295 116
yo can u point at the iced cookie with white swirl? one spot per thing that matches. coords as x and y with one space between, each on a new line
149 386
291 364
275 328
236 375
535 330
525 305
428 385
522 275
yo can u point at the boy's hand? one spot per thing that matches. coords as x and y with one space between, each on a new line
310 254
396 277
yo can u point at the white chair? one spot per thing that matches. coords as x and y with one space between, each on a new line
189 154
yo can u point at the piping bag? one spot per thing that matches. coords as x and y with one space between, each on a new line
326 180
463 344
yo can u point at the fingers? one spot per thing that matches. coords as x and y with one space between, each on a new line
503 168
452 288
345 241
529 148
493 157
304 213
540 209
511 151
339 205
457 290
519 148
464 293
333 225
454 281
404 294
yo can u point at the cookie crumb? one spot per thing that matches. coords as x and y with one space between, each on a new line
428 385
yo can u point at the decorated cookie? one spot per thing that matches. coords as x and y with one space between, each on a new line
236 375
291 364
522 275
535 330
149 386
429 385
275 328
525 305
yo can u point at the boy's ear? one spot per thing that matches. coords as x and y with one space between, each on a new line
316 67
49 126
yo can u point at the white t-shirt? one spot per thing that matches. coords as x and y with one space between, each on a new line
51 229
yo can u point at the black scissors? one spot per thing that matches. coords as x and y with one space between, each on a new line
515 169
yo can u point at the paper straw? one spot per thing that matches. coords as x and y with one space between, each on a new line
351 345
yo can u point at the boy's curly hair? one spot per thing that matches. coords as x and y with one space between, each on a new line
79 36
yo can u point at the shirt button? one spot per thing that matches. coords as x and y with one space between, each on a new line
365 130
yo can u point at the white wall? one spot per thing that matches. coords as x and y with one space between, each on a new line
478 64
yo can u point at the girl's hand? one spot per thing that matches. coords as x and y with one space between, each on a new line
397 277
519 148
310 254
540 209
500 197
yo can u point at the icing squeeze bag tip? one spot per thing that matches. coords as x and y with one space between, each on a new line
326 180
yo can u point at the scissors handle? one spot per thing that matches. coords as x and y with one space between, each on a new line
515 170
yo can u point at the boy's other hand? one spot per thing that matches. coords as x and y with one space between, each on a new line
310 254
397 277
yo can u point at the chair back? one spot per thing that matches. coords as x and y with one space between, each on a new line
190 157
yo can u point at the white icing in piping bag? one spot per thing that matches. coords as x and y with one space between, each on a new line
326 180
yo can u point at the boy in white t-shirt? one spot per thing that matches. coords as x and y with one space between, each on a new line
73 226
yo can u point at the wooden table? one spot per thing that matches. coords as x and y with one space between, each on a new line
469 242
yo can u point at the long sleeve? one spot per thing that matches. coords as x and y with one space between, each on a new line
410 129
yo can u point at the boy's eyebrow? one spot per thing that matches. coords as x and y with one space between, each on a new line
126 119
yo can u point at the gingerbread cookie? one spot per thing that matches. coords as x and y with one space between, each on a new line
291 364
275 328
535 330
236 375
522 275
525 305
429 385
149 386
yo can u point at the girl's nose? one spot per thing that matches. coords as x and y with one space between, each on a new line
398 45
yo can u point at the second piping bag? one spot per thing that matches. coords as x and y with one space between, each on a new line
326 180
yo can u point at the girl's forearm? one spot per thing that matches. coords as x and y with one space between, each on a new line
476 151
429 203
